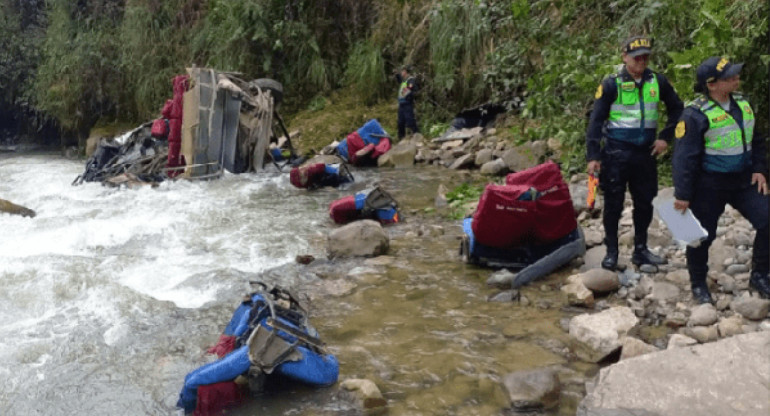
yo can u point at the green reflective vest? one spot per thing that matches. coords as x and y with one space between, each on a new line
727 145
404 91
634 114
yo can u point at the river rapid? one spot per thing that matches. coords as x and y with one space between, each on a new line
109 297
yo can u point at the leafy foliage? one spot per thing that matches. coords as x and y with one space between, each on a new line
80 62
462 195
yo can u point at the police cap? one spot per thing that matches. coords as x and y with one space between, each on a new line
637 45
716 68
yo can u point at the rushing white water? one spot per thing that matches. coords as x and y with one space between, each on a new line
101 289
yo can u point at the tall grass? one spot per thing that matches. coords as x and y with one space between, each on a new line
458 34
365 71
153 51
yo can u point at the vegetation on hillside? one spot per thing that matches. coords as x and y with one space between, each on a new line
102 61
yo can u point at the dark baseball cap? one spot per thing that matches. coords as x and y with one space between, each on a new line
637 45
716 68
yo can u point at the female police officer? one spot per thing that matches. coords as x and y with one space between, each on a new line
718 161
626 114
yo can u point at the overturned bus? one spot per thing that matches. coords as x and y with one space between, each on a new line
215 122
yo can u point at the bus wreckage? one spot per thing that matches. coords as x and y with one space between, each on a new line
215 122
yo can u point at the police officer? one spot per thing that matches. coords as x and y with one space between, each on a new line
718 161
406 91
626 115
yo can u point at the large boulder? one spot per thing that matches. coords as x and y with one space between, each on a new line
521 158
364 238
11 208
723 378
599 335
399 156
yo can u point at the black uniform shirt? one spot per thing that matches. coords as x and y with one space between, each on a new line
609 93
689 150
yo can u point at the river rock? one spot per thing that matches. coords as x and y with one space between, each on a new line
730 326
663 291
734 269
593 237
365 393
702 315
534 389
364 238
578 295
718 253
697 380
501 278
680 341
520 158
600 280
751 308
496 167
483 156
463 162
601 333
633 347
679 277
11 208
702 334
399 156
593 258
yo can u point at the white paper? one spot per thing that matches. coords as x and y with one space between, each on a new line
684 227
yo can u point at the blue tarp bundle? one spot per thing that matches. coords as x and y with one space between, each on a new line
314 368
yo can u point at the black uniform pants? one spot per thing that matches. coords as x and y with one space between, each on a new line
406 119
627 165
708 204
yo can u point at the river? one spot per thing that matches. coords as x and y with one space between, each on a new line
108 297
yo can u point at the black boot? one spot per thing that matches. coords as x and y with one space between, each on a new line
610 261
701 294
761 283
642 255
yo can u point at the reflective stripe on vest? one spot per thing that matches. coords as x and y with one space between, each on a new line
634 114
727 146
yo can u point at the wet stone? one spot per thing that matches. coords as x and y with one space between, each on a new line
648 268
734 269
532 390
506 296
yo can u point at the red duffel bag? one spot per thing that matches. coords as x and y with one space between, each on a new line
540 177
343 210
382 147
304 176
355 143
554 212
555 216
502 219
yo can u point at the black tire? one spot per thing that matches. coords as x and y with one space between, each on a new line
275 88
